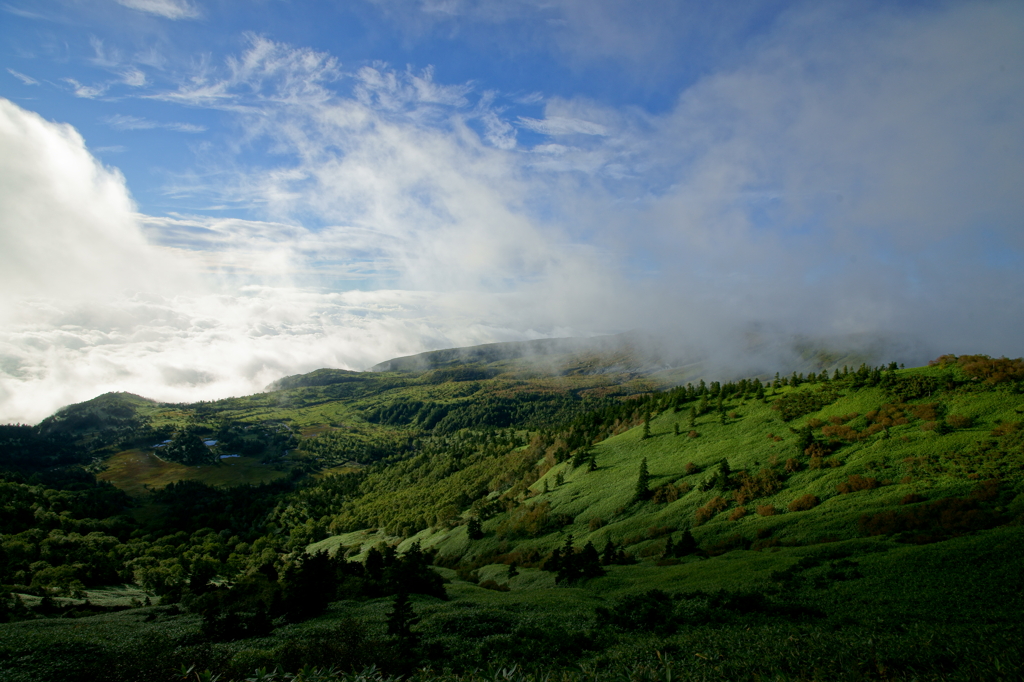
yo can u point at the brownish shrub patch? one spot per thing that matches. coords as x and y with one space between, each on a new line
804 503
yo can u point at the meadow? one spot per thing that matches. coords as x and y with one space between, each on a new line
850 524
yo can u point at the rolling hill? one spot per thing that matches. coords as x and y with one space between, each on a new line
837 523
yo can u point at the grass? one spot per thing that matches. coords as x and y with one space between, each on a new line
138 471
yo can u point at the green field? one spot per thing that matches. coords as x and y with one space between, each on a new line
869 526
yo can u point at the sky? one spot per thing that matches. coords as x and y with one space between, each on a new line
198 197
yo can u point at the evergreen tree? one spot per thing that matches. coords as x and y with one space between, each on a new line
608 555
400 623
693 417
569 568
676 428
687 544
307 586
554 561
513 570
589 562
593 463
722 477
647 424
474 529
643 483
805 439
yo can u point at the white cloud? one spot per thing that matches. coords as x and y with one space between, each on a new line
184 348
27 80
839 176
133 77
69 227
557 125
169 9
87 91
125 122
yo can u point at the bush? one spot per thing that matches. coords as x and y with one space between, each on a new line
705 513
959 421
804 503
766 510
738 513
792 465
855 483
764 483
669 492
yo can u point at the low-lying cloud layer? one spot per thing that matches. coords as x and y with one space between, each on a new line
849 174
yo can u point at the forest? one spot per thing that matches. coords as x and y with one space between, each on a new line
490 519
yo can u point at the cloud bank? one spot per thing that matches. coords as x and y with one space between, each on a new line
850 173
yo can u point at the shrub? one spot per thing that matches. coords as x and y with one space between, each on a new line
841 432
764 483
669 492
691 468
804 503
738 513
855 483
693 434
792 465
766 510
733 542
705 513
936 520
959 421
596 523
912 498
492 585
928 412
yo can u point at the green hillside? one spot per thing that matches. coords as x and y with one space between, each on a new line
840 524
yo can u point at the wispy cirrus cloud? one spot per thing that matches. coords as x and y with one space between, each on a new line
125 122
87 91
27 80
168 9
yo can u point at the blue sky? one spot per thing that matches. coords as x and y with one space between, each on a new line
199 196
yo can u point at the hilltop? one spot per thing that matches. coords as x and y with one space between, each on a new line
837 522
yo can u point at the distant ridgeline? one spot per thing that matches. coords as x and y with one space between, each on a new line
556 505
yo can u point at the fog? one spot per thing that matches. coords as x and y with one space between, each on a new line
850 175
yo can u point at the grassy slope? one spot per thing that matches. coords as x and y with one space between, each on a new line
961 594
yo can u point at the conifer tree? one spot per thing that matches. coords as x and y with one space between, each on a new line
474 529
686 545
400 622
590 562
693 417
554 562
643 483
647 424
676 428
608 555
